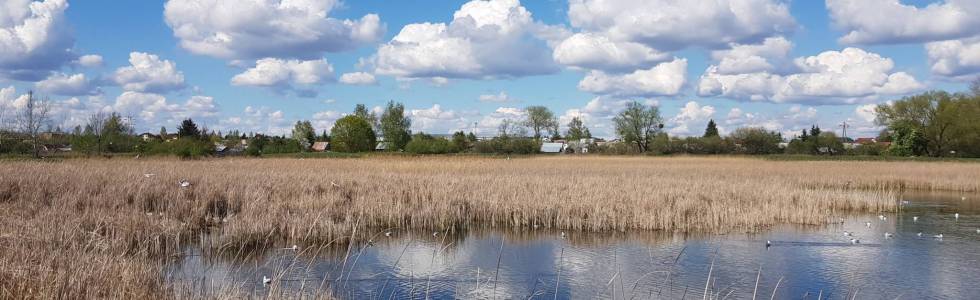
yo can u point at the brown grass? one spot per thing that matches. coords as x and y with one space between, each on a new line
100 229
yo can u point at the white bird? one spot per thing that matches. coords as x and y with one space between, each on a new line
963 198
436 233
956 215
148 175
888 235
184 183
881 217
847 233
867 224
334 184
293 248
855 241
978 230
768 244
919 234
906 202
884 219
938 236
266 280
915 219
388 234
563 235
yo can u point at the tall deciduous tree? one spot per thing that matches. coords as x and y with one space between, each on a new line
352 134
638 124
711 130
32 117
362 112
577 130
943 120
304 133
539 119
395 126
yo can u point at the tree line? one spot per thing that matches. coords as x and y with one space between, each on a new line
934 123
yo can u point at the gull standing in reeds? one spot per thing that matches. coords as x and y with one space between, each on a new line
184 183
148 175
266 280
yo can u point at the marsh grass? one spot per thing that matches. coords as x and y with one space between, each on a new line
97 228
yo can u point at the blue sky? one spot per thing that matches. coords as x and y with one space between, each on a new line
467 65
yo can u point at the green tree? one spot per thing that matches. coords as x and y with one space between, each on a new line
756 140
352 134
395 126
638 124
304 133
188 129
711 130
163 132
362 112
939 117
539 118
577 130
460 142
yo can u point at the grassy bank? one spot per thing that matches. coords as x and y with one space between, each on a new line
95 228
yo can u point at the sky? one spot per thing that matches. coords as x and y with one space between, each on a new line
261 65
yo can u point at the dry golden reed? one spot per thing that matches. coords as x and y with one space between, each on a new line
105 228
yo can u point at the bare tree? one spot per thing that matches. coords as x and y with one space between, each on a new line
96 127
31 119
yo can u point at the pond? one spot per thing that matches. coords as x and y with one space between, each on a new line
800 262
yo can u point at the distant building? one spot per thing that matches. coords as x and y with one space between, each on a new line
320 146
552 147
382 146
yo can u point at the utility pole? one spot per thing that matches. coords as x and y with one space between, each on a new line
843 126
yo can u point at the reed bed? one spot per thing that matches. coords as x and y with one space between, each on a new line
105 228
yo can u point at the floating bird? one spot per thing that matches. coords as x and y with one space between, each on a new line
938 236
148 175
388 234
888 235
184 183
919 234
847 233
963 198
881 217
266 280
978 230
535 226
906 202
956 215
768 244
841 220
293 248
436 233
915 219
867 224
855 241
563 235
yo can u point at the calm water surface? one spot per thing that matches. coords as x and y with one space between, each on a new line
803 261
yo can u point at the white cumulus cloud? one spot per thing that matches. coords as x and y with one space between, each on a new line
34 38
832 77
597 51
358 78
280 74
890 21
691 119
956 59
664 79
232 29
501 97
672 25
68 85
148 73
486 39
90 61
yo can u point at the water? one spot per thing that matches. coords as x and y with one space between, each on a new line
803 261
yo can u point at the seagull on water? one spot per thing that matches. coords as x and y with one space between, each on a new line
855 241
888 235
563 235
867 224
266 280
919 234
881 217
388 234
768 244
293 248
978 230
938 236
956 215
847 233
915 219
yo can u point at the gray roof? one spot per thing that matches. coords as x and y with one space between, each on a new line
552 147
